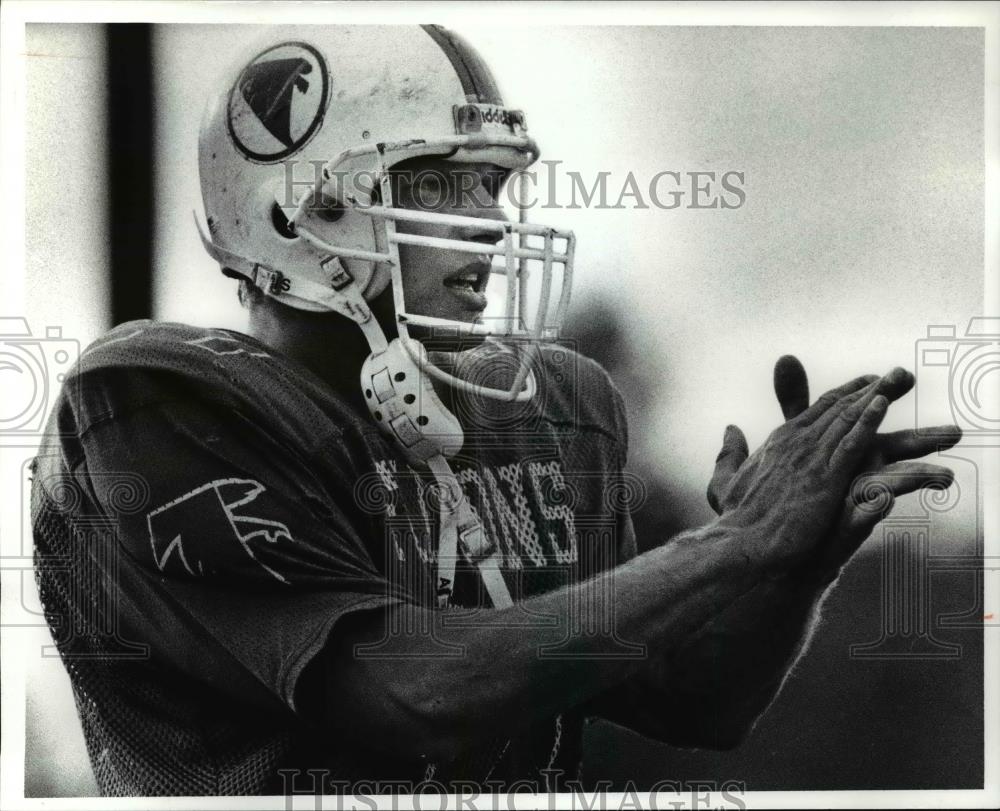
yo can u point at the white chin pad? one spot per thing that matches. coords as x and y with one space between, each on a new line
403 403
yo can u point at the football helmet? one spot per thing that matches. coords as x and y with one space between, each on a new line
294 158
295 155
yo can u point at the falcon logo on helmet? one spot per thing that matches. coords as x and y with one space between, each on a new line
335 247
357 119
278 102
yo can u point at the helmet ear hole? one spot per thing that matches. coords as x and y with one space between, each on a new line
328 209
281 223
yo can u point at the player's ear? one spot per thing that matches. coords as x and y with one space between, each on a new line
249 294
242 294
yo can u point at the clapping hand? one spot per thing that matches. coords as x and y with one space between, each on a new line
826 474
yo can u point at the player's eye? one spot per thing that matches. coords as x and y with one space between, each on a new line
493 183
429 189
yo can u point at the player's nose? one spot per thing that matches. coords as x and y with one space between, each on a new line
484 210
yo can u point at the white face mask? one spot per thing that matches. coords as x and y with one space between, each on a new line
531 259
304 120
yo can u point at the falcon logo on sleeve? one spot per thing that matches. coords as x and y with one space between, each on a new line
219 344
198 533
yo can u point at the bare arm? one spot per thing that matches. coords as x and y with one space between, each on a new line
419 702
415 701
710 691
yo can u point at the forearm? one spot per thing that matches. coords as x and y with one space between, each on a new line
711 690
422 700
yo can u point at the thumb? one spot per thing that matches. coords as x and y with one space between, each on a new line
733 454
791 386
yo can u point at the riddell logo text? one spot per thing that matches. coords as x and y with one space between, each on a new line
498 115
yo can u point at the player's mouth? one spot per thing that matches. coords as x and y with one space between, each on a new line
468 284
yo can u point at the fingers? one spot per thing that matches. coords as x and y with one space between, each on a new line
863 418
733 454
897 480
897 383
873 495
817 409
791 386
912 445
837 420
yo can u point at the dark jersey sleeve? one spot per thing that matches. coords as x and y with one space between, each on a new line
582 400
630 486
237 561
603 441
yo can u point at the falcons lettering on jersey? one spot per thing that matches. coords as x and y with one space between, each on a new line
522 508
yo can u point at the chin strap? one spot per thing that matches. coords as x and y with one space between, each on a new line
403 402
460 527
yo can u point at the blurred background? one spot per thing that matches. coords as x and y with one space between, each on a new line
862 153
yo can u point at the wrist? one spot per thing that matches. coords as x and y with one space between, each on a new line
758 544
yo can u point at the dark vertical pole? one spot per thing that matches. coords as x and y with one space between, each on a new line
130 169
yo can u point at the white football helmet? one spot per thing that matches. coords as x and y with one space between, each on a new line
294 156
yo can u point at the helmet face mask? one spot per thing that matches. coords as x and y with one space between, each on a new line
296 162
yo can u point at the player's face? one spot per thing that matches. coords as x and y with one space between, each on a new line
442 283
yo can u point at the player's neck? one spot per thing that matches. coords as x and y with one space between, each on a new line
331 346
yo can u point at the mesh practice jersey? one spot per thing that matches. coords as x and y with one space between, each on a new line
206 509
